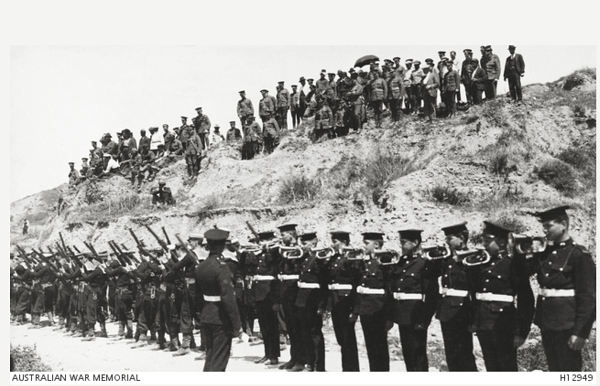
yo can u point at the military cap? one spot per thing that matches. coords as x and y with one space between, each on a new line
553 213
264 90
331 73
242 92
294 86
444 59
442 52
162 182
198 108
234 240
389 61
323 71
396 58
107 135
340 71
287 227
310 79
410 234
84 159
217 126
307 236
408 61
195 236
495 230
182 117
94 142
119 133
143 131
301 79
266 235
126 131
373 235
455 229
449 61
153 128
216 234
231 121
281 82
417 62
468 50
428 60
488 48
71 163
352 70
340 235
511 47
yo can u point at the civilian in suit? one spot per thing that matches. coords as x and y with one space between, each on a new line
514 69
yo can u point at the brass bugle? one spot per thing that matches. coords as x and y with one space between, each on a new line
352 253
387 256
291 252
436 252
251 248
473 257
323 253
525 244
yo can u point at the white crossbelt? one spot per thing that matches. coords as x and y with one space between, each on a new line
407 296
340 287
190 280
370 291
453 292
490 297
556 293
211 298
263 277
308 285
288 277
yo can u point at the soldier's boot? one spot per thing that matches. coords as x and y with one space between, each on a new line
173 344
35 320
287 365
129 333
185 346
143 341
136 336
103 333
61 324
161 342
51 318
152 336
91 336
121 331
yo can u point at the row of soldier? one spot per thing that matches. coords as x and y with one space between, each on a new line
483 291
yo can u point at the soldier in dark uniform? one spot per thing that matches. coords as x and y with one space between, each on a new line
23 275
262 266
566 304
501 326
312 295
95 278
233 134
202 125
343 274
370 304
414 290
63 294
149 274
123 297
455 307
220 318
74 177
41 280
289 274
162 194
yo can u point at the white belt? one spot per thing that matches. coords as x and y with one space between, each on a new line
308 285
288 277
453 292
490 297
370 291
340 287
263 277
407 296
556 293
190 280
212 298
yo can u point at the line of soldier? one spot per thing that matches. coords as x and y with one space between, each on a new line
483 291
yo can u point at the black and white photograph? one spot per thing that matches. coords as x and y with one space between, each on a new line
328 206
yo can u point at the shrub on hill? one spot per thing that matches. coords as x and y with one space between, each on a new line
299 187
582 158
446 193
26 359
559 175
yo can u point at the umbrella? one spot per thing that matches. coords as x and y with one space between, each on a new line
367 59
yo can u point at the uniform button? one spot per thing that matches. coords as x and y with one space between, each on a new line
499 277
550 263
500 309
554 252
484 288
404 271
547 274
543 298
401 279
412 274
493 263
446 275
560 269
487 280
449 266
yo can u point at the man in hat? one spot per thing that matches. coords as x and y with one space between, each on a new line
370 304
108 145
295 105
267 107
514 69
379 94
566 304
220 319
342 276
244 108
168 138
477 82
155 140
501 323
406 79
216 137
162 195
202 125
252 139
431 84
417 75
323 120
455 306
331 94
144 145
395 85
415 293
85 169
283 105
73 175
450 88
302 91
95 279
270 134
112 165
322 84
192 153
185 132
96 159
492 68
466 70
233 134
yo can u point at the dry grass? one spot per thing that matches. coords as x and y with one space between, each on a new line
447 194
560 175
127 204
299 187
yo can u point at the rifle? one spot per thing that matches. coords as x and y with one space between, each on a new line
160 242
94 253
76 250
254 232
189 251
62 241
74 257
23 256
44 259
118 256
166 236
139 243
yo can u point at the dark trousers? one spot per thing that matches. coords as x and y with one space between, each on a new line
267 321
49 298
124 300
295 117
311 325
161 316
24 302
344 333
428 104
203 140
497 349
148 312
218 346
458 345
417 96
469 88
477 94
375 333
37 301
62 302
414 348
558 354
186 313
395 108
292 321
514 85
490 89
175 299
282 117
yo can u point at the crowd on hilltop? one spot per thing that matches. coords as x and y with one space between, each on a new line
335 103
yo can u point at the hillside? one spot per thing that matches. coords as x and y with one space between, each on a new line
497 161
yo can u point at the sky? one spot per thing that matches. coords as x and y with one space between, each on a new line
67 96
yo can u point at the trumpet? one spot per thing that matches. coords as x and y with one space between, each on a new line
473 257
251 248
290 252
351 253
436 252
387 256
525 244
323 253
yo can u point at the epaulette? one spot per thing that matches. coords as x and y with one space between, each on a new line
582 248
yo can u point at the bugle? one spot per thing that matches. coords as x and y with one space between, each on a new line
352 253
291 252
525 244
473 257
323 253
387 256
436 252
